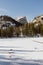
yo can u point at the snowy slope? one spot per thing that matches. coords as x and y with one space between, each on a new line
21 51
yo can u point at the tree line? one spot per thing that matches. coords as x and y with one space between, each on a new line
27 30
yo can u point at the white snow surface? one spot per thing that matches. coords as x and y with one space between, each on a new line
21 51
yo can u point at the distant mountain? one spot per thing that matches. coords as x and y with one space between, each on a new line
7 20
21 19
38 19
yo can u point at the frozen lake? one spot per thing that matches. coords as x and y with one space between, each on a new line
21 51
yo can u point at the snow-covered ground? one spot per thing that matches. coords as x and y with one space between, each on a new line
21 51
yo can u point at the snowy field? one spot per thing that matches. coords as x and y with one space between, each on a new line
21 51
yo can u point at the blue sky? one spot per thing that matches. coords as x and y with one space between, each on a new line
17 8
